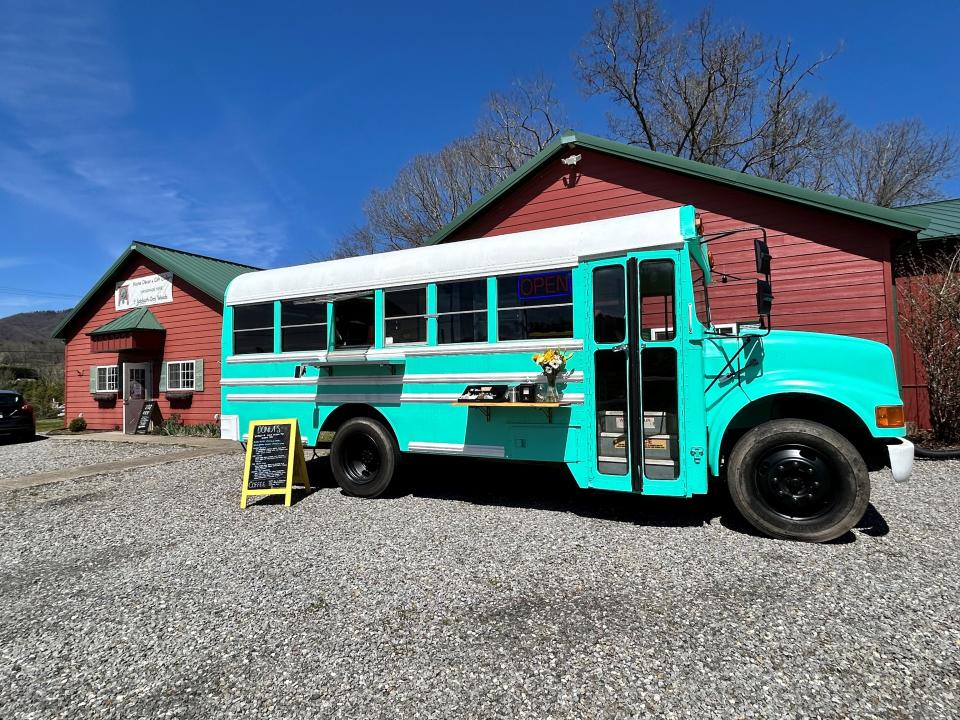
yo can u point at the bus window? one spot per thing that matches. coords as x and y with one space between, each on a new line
253 328
700 297
609 308
353 320
535 305
303 325
462 311
405 316
656 300
658 368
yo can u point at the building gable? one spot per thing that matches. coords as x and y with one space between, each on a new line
570 143
209 275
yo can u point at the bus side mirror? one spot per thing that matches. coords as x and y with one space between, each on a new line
764 297
762 252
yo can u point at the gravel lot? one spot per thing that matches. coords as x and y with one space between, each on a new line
150 594
44 455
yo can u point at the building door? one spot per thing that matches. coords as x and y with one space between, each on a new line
136 390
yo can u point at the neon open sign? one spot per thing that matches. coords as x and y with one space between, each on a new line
541 286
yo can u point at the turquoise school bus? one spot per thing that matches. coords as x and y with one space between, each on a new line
372 355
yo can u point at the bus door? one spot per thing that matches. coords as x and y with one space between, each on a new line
611 376
654 337
636 366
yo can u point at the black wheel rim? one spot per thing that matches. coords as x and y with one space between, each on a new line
360 458
797 482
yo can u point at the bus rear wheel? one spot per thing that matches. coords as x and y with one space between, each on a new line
798 480
363 457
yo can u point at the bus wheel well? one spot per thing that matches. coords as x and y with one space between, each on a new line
345 412
802 406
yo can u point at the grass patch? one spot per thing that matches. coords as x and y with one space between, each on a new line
49 424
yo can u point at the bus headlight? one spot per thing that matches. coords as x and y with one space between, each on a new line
890 416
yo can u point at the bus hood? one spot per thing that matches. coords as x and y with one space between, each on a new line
858 373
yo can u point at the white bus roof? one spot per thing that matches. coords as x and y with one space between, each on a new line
531 250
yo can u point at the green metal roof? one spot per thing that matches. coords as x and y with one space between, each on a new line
853 208
139 319
943 215
209 275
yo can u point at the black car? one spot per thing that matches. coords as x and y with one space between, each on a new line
16 416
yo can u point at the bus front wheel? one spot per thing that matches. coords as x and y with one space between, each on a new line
798 480
363 457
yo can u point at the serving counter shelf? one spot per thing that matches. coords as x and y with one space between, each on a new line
546 407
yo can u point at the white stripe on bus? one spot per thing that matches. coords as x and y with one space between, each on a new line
393 398
494 451
420 379
374 355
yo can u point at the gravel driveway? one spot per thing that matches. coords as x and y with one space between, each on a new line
151 594
45 455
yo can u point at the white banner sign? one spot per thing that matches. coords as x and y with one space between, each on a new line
142 291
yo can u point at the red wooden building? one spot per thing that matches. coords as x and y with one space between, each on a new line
832 268
148 330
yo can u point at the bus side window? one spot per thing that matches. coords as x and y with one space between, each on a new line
609 307
700 297
353 322
657 322
405 316
253 328
535 305
303 325
462 311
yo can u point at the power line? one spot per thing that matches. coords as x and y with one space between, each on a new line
36 293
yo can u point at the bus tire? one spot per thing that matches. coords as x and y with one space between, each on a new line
363 457
798 480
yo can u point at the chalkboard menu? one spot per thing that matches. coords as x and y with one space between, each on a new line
274 460
147 412
270 458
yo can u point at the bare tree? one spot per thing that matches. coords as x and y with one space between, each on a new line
518 124
929 290
709 92
896 163
433 188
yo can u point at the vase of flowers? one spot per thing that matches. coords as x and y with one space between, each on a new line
552 362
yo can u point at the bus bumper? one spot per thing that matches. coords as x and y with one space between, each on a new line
901 459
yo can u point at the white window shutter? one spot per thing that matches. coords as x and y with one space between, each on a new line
163 377
198 375
93 379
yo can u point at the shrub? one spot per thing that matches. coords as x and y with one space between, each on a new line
929 292
174 425
78 424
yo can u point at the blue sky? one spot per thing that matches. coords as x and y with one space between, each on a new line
253 131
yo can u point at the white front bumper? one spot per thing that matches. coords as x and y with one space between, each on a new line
901 459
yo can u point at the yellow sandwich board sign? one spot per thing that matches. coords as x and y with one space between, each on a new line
275 461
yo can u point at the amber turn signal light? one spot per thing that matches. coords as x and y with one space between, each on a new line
889 416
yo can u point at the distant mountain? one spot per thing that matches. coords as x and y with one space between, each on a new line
25 340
